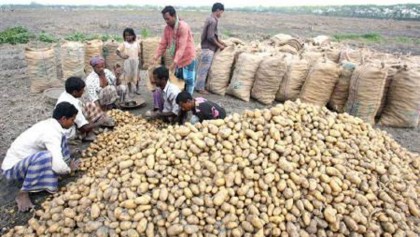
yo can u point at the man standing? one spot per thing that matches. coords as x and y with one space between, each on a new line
210 42
178 39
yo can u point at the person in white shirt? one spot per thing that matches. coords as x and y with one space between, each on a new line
165 94
94 118
102 87
40 154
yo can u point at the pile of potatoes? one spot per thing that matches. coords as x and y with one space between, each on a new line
292 170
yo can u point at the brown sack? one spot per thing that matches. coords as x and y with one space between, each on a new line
42 69
366 90
341 90
110 54
403 103
148 51
92 48
320 83
269 75
312 56
244 75
355 56
220 70
73 59
390 76
297 71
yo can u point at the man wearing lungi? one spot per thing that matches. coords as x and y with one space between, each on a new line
40 154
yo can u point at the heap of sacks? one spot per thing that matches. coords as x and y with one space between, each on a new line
377 87
292 170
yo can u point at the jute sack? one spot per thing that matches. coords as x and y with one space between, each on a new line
220 70
42 69
287 49
290 86
312 56
403 103
110 54
92 48
148 50
341 90
321 40
320 83
244 75
73 59
355 56
390 76
268 77
280 39
366 90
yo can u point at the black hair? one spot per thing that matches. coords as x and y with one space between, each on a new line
170 10
162 73
217 6
74 84
183 97
130 31
64 109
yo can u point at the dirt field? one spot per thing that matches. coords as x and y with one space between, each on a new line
20 109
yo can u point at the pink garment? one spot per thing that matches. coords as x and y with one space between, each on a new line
185 49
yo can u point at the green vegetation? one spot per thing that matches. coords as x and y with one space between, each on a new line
145 33
47 38
107 37
81 37
407 40
15 35
227 33
370 37
77 36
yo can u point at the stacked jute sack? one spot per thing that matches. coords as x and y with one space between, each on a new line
75 57
377 87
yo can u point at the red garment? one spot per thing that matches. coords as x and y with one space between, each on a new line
185 49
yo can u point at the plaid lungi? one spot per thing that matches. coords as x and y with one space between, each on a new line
92 112
35 171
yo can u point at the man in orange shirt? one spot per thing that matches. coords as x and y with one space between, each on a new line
178 39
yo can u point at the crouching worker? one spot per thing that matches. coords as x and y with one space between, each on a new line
201 108
102 86
164 97
40 154
89 115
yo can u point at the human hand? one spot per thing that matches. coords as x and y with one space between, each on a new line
74 165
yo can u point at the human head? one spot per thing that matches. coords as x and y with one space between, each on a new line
65 113
185 101
218 9
161 76
169 15
129 35
75 86
98 64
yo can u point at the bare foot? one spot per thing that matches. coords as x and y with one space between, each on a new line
23 201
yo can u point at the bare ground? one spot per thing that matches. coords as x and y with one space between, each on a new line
20 109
